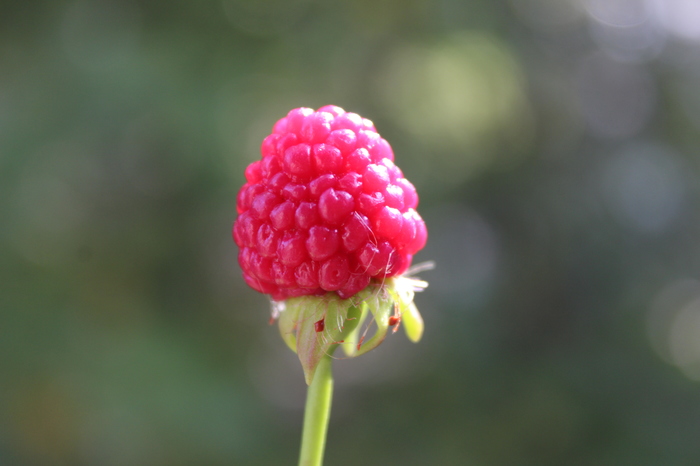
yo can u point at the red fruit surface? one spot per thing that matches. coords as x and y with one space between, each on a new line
325 209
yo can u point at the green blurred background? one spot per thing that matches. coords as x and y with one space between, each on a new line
555 147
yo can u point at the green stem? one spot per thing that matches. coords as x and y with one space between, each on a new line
316 415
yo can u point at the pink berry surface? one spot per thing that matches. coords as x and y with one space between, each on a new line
325 209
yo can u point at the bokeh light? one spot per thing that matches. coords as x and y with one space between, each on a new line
673 324
464 94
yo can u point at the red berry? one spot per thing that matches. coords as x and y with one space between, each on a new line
306 216
335 206
322 242
334 273
325 209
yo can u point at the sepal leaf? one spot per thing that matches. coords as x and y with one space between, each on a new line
313 326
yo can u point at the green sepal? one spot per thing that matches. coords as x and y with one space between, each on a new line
301 330
346 322
412 323
402 291
288 317
350 345
381 309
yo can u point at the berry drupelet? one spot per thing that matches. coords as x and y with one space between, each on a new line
325 209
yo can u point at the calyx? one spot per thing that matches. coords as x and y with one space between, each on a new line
313 326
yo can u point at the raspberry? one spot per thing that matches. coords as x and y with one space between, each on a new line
325 209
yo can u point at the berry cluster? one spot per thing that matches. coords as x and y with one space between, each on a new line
325 209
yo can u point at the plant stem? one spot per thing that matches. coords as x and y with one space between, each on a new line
316 415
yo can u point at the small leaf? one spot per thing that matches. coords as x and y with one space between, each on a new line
412 323
350 345
381 309
312 345
402 289
288 323
316 325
